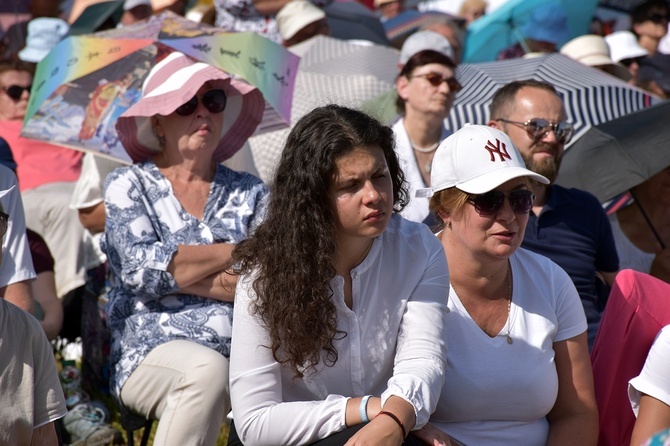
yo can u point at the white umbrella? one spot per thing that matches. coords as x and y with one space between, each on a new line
330 71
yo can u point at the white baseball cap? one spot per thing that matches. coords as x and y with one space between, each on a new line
425 40
44 33
477 159
623 45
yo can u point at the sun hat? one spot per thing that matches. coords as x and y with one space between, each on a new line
547 23
43 34
623 45
592 50
425 40
296 15
173 82
477 159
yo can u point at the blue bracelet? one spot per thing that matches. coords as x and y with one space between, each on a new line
363 409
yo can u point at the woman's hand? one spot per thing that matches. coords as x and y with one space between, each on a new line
382 430
433 436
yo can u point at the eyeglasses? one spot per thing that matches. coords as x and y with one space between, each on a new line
16 91
521 201
630 61
436 79
538 128
4 222
213 100
658 18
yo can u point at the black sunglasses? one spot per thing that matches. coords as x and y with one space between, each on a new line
538 128
628 62
213 100
658 18
15 91
521 201
4 222
436 79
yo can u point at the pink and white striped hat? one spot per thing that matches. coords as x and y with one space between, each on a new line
173 82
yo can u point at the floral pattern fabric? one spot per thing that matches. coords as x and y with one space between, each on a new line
145 225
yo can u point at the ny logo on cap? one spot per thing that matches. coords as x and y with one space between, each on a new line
499 148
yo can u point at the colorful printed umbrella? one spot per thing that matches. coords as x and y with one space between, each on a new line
591 96
87 81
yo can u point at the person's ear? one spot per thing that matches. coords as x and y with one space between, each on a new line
401 84
495 124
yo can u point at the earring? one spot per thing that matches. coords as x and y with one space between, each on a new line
448 225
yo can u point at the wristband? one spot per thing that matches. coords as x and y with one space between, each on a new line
363 409
397 420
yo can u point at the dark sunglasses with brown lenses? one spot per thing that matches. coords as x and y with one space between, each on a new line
436 79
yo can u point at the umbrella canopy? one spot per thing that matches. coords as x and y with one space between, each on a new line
352 20
409 21
497 30
87 81
618 155
591 96
331 71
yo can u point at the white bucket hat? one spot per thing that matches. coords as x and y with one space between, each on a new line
477 159
623 45
173 82
43 34
295 15
592 50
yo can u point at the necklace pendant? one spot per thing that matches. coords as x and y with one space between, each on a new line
509 340
428 166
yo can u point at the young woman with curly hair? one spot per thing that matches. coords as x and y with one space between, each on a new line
340 308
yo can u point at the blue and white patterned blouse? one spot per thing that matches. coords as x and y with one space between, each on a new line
145 224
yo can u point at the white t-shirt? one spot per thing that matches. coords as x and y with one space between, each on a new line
17 263
654 379
393 345
498 394
417 208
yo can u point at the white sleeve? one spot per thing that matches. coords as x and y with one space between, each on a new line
261 417
17 263
654 379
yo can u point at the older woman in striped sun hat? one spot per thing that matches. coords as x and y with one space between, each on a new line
173 218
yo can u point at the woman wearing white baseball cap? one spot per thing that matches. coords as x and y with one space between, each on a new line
518 367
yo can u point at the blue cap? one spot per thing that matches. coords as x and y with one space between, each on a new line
547 23
6 157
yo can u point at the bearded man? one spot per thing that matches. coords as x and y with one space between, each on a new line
567 225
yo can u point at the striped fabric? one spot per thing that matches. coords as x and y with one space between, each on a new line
591 96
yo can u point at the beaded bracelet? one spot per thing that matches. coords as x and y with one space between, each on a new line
397 420
363 409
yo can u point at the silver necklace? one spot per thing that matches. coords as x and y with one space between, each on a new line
509 339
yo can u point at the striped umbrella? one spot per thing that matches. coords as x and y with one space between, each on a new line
591 96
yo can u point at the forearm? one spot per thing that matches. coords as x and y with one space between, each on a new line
44 436
193 263
218 286
578 429
93 218
269 7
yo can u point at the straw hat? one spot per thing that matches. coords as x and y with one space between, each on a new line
43 34
173 82
296 15
592 50
623 45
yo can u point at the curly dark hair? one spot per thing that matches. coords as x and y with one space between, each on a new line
293 251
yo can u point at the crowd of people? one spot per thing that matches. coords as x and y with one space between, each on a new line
395 282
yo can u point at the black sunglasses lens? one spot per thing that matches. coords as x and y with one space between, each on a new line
434 79
215 100
489 203
658 18
521 201
188 108
15 91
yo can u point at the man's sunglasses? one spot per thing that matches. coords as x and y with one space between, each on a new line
521 201
213 100
538 128
4 222
15 91
436 79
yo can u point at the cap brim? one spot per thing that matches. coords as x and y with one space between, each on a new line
492 179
